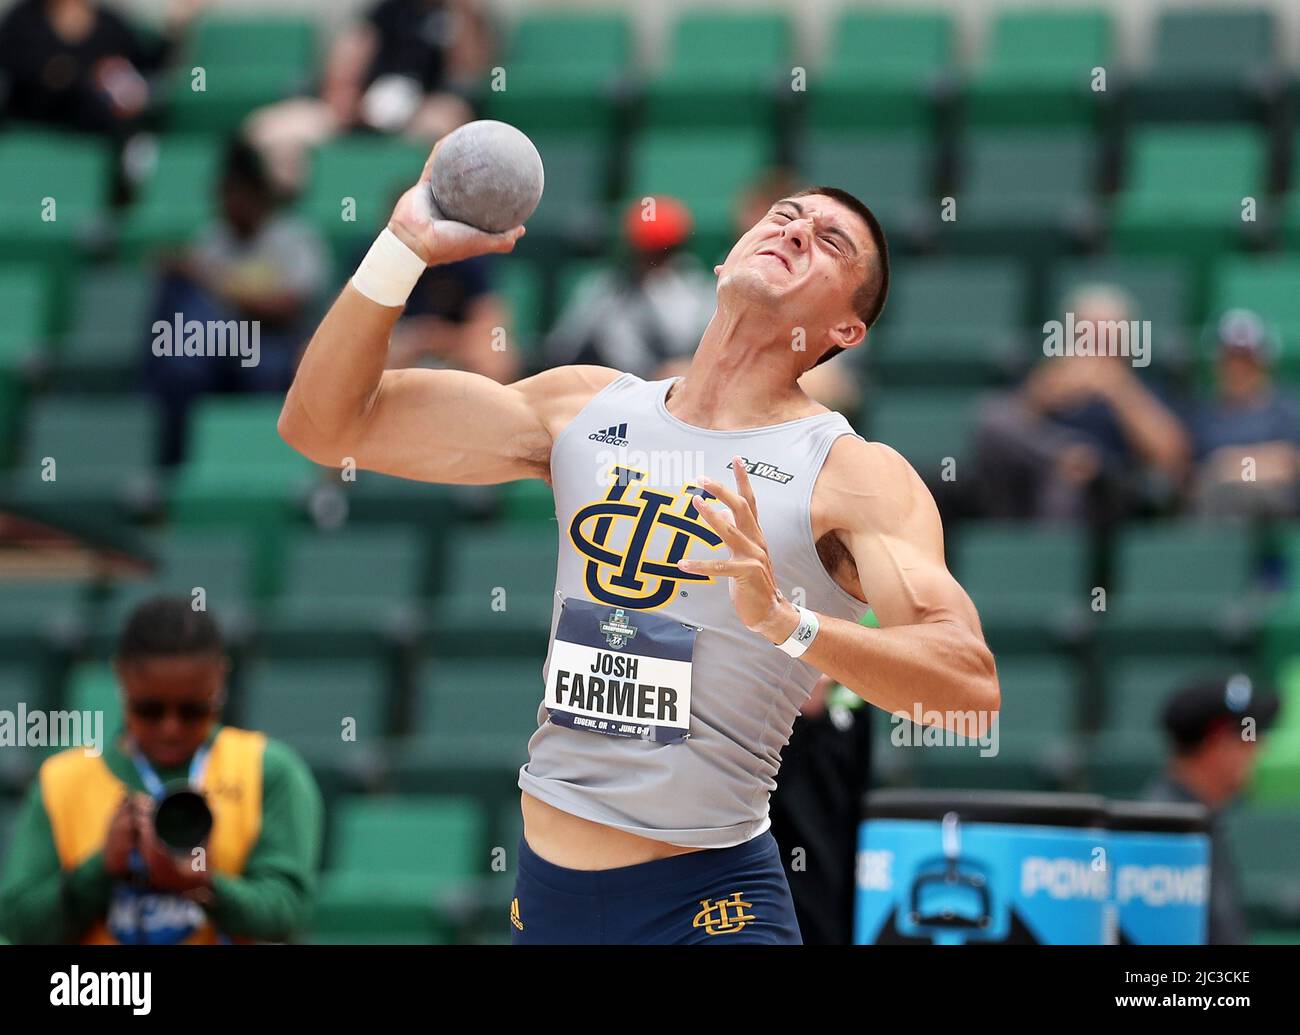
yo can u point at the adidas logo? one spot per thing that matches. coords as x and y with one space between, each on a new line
614 435
514 914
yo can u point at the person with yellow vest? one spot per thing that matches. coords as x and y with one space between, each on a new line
87 863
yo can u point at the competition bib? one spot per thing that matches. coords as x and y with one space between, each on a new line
623 673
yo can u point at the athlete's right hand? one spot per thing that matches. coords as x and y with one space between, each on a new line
438 241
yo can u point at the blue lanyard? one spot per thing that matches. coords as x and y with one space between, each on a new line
150 779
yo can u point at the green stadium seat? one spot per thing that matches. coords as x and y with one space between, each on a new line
529 502
1029 583
352 592
9 807
395 864
240 475
25 295
109 330
484 767
1290 214
725 69
1180 587
177 200
1160 291
951 322
520 285
1265 843
353 184
1184 189
102 450
1036 736
497 597
1281 622
248 61
884 69
1038 69
1128 750
1024 193
1208 64
571 212
563 71
92 687
1266 284
1287 680
891 170
40 617
931 429
1277 769
670 162
21 683
73 172
189 560
478 697
306 702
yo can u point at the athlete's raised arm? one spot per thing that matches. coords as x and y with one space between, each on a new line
430 425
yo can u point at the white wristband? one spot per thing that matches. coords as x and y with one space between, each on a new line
389 271
804 633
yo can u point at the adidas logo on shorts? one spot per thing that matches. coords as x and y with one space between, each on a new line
614 435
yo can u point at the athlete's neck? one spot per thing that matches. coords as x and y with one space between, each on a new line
742 375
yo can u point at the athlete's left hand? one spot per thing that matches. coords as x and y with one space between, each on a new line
754 592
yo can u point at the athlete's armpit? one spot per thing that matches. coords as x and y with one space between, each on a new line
886 517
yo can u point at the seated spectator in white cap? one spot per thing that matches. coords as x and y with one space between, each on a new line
1246 439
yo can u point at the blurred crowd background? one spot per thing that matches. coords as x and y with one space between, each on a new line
1124 527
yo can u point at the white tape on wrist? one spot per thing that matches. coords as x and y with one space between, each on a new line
389 271
804 633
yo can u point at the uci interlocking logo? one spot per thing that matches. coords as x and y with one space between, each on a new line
626 577
725 916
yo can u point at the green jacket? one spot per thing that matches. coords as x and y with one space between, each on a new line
270 900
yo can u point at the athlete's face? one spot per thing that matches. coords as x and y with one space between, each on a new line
807 256
171 703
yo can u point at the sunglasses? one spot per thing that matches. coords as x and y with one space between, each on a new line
150 710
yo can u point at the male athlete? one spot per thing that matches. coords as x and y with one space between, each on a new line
692 615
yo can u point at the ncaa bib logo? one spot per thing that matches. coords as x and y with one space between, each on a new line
625 576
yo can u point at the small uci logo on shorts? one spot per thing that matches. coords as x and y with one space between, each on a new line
725 915
618 629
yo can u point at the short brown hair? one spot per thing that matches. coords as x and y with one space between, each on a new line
869 298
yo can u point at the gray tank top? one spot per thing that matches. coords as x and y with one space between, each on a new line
663 715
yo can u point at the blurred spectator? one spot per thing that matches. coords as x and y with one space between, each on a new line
455 319
647 315
78 64
254 265
1078 439
834 383
1246 440
87 863
396 71
817 807
1212 728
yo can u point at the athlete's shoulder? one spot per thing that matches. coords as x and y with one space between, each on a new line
564 381
558 394
870 484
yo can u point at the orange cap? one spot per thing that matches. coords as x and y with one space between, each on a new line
652 228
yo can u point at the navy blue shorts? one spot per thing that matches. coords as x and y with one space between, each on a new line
716 896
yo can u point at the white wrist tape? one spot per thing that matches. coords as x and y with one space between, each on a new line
804 633
389 271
